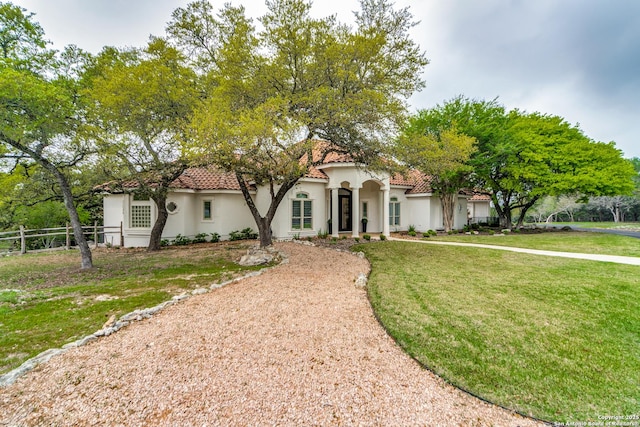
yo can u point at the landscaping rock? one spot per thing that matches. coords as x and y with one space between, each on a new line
361 281
256 256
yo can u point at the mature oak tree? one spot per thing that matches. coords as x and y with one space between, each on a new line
40 110
142 100
272 93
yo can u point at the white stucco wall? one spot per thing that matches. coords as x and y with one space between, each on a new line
281 224
113 213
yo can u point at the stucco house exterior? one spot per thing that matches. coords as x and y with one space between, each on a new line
334 196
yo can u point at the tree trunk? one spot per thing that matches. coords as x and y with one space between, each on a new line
158 227
505 218
504 212
265 233
448 210
85 253
264 222
523 211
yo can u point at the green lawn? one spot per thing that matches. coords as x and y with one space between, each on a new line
47 301
554 338
573 241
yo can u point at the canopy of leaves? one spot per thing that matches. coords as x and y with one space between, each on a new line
141 102
302 77
524 156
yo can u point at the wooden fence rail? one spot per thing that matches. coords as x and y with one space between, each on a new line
97 232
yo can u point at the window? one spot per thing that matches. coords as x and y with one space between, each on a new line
394 211
172 207
206 210
301 213
140 216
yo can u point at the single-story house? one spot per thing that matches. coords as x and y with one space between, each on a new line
333 197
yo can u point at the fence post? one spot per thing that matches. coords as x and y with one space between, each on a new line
121 236
68 238
23 241
95 234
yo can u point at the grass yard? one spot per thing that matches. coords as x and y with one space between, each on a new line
554 338
572 241
46 301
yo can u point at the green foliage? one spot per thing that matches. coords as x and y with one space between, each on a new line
41 110
412 228
181 240
366 237
522 157
200 238
245 234
383 237
215 238
323 234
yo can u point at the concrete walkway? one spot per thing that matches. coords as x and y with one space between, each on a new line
592 257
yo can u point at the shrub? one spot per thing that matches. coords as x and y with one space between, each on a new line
411 229
366 237
181 240
215 237
383 237
357 239
163 242
412 233
432 233
246 234
323 234
426 234
200 238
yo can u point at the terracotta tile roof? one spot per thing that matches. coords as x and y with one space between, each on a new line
206 178
480 197
316 173
202 178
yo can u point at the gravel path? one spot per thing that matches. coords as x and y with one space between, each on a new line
298 345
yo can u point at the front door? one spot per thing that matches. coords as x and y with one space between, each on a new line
344 211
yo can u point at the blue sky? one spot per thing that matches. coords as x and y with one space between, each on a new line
579 59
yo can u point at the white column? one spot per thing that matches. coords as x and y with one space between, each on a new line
385 212
335 221
355 214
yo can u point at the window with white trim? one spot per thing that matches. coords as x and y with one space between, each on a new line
394 211
301 212
207 210
140 211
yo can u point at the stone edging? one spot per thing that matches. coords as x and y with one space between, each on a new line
125 320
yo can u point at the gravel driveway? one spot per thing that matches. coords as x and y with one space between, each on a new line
296 346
